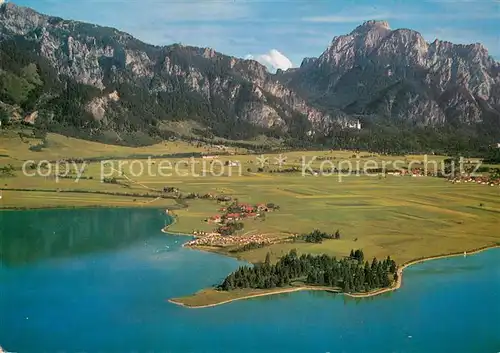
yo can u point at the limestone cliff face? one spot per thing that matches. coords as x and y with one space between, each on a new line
373 71
98 105
396 73
104 57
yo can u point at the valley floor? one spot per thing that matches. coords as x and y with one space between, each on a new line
403 217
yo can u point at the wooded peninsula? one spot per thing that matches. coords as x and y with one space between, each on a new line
350 274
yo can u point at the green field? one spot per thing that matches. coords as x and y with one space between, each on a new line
401 216
14 147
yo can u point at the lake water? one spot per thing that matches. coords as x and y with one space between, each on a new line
97 280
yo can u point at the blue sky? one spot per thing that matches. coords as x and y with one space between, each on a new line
296 28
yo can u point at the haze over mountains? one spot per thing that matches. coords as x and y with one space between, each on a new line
97 82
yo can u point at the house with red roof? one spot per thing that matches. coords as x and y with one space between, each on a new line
215 219
247 208
233 216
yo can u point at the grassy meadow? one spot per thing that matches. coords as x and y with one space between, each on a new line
14 147
401 216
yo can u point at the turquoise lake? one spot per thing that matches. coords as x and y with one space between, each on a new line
98 280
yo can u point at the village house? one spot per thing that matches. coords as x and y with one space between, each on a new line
394 173
232 163
481 180
224 198
233 217
262 207
210 157
215 219
244 207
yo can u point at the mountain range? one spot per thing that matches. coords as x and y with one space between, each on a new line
96 82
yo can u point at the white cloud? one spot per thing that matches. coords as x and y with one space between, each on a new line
273 60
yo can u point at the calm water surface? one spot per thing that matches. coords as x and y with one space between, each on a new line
98 281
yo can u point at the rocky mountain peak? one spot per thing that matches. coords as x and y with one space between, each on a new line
20 19
345 50
372 72
308 61
403 45
395 73
209 53
371 25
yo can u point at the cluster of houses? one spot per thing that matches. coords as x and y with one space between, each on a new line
210 156
168 189
201 233
229 221
415 172
482 180
229 163
217 240
239 211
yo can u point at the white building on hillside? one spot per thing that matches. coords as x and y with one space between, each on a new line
354 125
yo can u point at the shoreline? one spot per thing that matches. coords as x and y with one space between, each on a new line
400 270
397 285
165 230
70 207
36 208
274 292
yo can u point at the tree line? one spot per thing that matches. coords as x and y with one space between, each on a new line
317 236
348 274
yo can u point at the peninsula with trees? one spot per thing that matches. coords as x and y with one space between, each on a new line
350 275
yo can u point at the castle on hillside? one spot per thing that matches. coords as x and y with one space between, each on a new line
354 125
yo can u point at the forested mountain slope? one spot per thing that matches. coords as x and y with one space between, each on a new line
97 82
